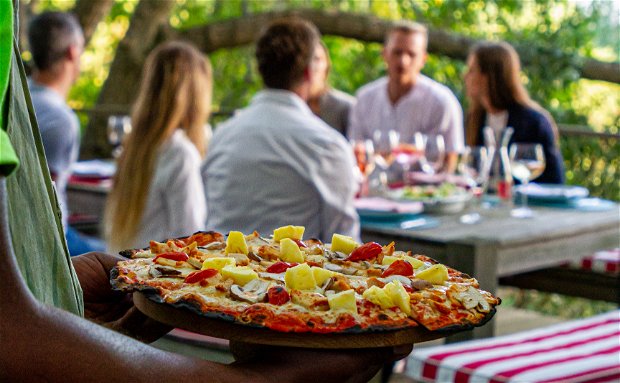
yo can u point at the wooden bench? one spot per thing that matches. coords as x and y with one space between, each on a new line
584 350
595 277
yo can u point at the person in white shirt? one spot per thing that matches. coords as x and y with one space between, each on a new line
275 163
157 191
405 100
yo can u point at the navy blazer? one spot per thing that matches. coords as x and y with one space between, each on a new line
532 126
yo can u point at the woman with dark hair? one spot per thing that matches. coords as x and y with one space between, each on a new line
497 98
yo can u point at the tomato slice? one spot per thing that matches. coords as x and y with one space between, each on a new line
398 267
366 251
280 267
200 275
278 295
173 255
300 243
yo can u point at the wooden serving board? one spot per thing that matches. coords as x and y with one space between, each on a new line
190 321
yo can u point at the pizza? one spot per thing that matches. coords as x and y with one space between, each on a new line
285 283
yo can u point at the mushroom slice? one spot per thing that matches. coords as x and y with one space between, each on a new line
214 246
273 276
472 298
254 257
332 267
164 271
421 284
195 262
404 280
253 292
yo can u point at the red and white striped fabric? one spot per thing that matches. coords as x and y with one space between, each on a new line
607 261
581 351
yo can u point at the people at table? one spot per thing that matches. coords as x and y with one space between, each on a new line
56 43
275 163
498 98
43 333
157 191
405 100
331 105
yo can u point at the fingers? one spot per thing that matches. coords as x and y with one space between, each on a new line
293 364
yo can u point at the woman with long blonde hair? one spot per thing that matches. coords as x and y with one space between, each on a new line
497 98
157 191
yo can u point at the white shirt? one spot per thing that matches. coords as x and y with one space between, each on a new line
175 205
275 163
429 107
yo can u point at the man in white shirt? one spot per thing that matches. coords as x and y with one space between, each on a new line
406 100
275 163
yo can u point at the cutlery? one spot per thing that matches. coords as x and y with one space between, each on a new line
410 224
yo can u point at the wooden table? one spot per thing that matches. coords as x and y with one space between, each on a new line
500 245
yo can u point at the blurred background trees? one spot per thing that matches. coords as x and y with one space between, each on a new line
567 47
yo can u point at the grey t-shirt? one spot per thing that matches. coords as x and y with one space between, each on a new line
60 133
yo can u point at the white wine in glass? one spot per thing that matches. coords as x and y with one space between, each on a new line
527 162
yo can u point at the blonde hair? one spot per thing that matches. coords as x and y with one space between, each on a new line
500 63
175 93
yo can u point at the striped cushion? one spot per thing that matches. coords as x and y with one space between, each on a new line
607 261
586 350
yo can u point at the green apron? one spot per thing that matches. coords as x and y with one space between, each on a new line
34 215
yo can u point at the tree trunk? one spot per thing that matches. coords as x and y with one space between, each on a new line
123 80
242 31
89 13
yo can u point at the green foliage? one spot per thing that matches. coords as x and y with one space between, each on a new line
549 34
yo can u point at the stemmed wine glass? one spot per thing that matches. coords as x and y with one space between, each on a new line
384 143
118 128
474 166
434 153
406 154
527 162
364 152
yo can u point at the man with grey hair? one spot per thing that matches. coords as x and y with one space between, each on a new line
405 100
56 43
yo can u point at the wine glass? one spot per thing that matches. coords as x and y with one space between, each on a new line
384 142
527 162
406 154
364 152
473 167
118 128
434 153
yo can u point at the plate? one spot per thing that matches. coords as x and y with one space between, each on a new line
95 169
378 208
552 193
446 198
187 320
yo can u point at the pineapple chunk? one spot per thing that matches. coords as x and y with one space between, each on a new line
240 274
292 232
235 243
379 297
218 263
321 275
389 259
343 301
416 263
436 274
343 243
399 295
300 277
289 251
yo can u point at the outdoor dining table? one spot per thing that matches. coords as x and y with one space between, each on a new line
500 245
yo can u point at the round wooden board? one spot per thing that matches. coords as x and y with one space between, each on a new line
190 321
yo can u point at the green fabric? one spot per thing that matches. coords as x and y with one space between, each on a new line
8 159
34 215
